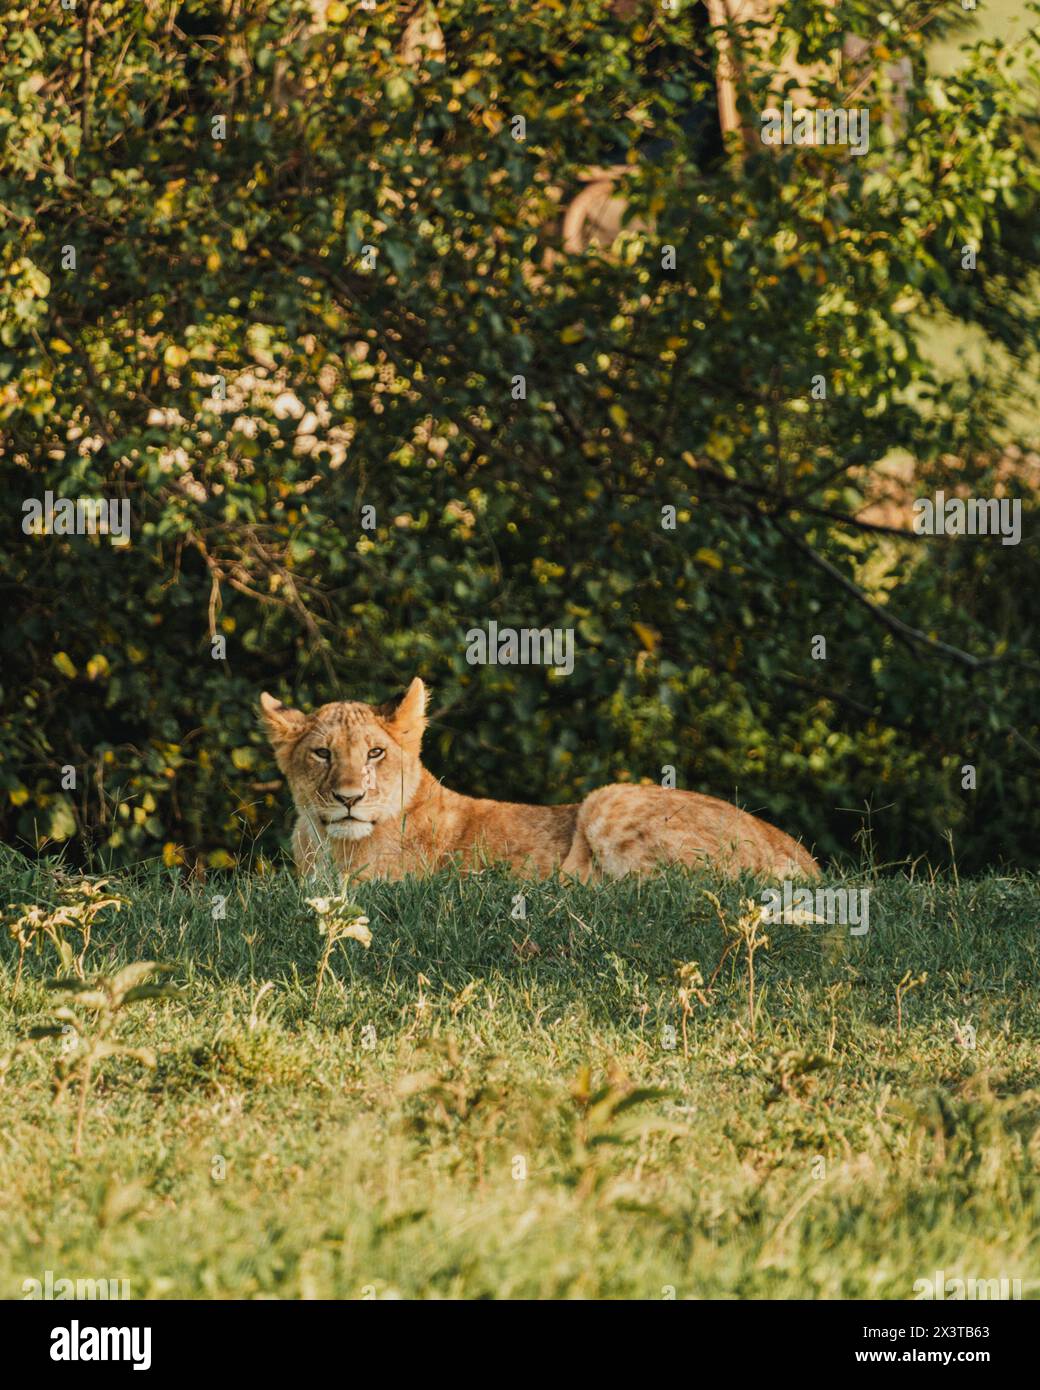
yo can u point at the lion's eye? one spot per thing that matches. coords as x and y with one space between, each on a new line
375 753
325 754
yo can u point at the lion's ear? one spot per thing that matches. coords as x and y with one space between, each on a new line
282 722
407 716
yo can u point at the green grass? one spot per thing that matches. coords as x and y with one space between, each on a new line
826 1156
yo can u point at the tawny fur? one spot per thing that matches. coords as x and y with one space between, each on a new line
366 806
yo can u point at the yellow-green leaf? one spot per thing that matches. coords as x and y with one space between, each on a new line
711 558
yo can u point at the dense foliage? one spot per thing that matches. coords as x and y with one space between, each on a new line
228 357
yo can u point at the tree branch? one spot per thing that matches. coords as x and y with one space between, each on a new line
913 637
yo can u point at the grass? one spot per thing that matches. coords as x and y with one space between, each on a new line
484 1105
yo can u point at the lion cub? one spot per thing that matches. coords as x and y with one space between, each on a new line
364 799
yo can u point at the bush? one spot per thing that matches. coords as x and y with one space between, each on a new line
332 475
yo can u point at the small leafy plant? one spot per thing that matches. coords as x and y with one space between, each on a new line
690 986
606 1117
338 920
87 1022
746 932
82 901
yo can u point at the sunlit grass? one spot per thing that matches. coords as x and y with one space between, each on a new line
554 1106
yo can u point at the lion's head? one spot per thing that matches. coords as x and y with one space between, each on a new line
350 766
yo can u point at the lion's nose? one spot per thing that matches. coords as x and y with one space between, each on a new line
347 801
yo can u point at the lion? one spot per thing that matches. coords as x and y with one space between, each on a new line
365 802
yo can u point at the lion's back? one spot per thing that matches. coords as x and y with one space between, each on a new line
634 829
